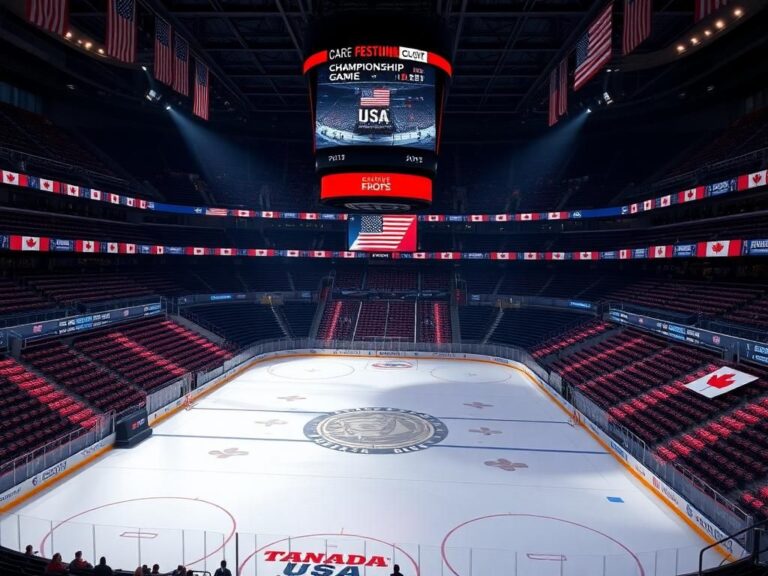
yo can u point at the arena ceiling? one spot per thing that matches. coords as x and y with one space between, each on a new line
502 50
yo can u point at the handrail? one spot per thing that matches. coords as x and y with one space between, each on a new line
730 537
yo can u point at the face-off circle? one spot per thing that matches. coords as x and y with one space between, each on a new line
392 365
376 431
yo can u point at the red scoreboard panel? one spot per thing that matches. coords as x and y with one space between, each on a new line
376 112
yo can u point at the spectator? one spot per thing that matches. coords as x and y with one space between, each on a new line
223 570
79 564
139 571
102 569
56 566
397 571
155 570
145 570
180 571
29 551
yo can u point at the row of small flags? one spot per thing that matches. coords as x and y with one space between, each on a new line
710 249
740 183
172 54
594 48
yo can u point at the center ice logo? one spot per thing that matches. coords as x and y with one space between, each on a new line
392 365
319 564
376 431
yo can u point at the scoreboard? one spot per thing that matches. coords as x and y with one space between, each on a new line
376 110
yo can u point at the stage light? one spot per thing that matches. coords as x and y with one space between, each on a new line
88 45
144 68
738 12
68 35
680 48
168 107
707 33
720 24
101 51
694 40
153 96
589 110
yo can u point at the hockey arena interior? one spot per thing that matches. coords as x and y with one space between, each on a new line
370 288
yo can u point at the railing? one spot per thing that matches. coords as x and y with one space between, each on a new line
756 529
28 465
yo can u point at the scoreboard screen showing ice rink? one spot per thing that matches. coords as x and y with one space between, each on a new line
376 103
376 121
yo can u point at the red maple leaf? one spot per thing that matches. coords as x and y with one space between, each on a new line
756 178
717 247
10 177
721 380
46 185
87 245
31 242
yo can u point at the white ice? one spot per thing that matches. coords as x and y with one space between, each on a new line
239 461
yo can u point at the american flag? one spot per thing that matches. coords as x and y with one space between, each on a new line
202 90
384 232
121 30
558 92
379 97
637 24
163 53
216 212
51 15
706 7
593 49
180 65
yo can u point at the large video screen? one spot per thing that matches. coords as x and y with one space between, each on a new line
376 103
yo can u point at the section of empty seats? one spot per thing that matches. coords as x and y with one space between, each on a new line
570 337
299 316
241 323
527 284
434 322
475 321
87 287
266 279
372 322
339 320
529 327
75 372
391 279
438 280
348 278
754 313
32 411
15 299
151 353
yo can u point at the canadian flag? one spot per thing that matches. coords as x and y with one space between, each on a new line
85 246
130 201
95 194
112 248
501 217
127 248
320 253
433 218
691 194
243 213
625 254
661 251
14 178
531 256
719 249
633 208
73 190
586 255
142 204
554 215
348 255
420 255
754 180
446 255
292 253
477 218
499 255
648 204
720 381
525 217
267 214
157 250
114 199
196 251
557 255
308 215
223 251
29 243
49 185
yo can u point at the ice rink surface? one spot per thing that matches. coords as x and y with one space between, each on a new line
512 488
